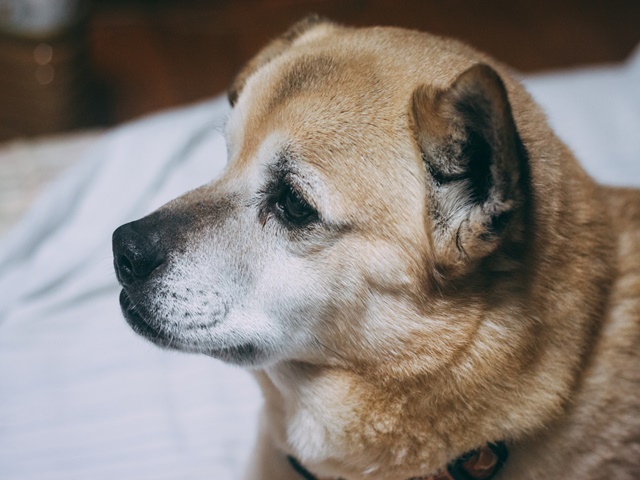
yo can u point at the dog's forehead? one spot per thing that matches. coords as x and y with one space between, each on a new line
305 74
304 89
339 115
348 85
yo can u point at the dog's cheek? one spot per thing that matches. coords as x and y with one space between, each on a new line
328 303
386 311
293 293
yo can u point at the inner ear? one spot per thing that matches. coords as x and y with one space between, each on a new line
475 163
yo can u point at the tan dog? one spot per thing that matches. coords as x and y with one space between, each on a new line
410 261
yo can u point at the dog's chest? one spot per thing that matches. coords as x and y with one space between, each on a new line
330 424
309 416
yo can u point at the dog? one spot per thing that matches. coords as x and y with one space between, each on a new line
421 277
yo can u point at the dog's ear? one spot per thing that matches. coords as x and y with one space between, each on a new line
272 50
476 165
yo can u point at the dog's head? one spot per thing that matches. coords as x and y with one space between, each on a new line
376 191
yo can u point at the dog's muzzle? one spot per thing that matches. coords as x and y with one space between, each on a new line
137 254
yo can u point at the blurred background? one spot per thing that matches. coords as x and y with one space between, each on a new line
67 64
82 65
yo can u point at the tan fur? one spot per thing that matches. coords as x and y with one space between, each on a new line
541 352
410 260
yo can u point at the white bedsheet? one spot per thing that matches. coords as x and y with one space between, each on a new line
81 396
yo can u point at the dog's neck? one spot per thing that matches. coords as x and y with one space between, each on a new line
328 418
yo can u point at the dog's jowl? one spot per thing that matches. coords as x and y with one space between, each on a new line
417 271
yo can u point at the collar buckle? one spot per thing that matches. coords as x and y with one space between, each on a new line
481 464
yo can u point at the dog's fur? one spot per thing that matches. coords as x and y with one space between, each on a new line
457 278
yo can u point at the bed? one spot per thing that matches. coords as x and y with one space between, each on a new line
81 396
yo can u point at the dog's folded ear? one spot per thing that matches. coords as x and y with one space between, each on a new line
476 165
273 50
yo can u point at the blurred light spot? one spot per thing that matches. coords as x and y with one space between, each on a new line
45 74
43 53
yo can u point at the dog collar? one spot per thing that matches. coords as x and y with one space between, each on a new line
480 464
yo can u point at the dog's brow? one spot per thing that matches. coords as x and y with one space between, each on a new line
286 166
284 170
280 171
282 165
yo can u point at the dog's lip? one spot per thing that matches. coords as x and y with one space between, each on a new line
245 350
137 321
242 354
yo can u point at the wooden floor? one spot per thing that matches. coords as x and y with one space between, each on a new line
147 55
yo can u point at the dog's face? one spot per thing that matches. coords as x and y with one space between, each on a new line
359 187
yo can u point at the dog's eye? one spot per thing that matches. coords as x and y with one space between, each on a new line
295 208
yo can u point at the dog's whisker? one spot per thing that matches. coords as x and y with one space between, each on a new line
317 340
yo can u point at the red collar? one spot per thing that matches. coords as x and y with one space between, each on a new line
480 464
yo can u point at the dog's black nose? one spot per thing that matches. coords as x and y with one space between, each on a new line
136 252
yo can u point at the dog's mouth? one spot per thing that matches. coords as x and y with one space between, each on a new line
137 322
246 354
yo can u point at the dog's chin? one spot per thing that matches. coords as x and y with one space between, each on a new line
139 325
246 354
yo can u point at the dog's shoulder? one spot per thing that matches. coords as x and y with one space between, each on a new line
598 436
